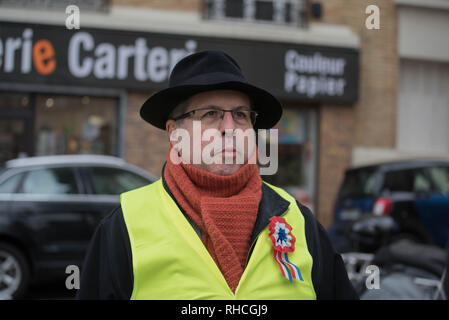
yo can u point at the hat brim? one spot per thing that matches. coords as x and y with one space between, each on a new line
158 107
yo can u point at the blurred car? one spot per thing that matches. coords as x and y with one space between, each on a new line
415 193
49 209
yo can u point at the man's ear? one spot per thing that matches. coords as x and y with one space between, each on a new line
170 126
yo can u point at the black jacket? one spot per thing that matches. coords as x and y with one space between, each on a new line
107 270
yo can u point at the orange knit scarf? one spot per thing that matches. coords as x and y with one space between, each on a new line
223 207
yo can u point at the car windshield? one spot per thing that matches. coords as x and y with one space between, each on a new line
10 184
114 181
358 183
50 181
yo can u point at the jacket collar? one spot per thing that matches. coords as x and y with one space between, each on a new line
271 205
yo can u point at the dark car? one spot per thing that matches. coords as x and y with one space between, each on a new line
49 209
413 192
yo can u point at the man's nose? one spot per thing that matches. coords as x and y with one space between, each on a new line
227 122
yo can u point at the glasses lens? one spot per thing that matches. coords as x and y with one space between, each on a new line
210 116
241 117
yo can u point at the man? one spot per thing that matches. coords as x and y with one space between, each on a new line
211 229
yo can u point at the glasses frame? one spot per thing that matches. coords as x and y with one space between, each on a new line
192 112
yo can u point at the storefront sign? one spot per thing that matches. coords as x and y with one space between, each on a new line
137 60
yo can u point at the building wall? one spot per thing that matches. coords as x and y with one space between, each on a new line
145 146
423 98
424 108
375 113
190 5
336 129
428 39
371 122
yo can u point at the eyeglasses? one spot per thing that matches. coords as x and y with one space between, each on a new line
211 116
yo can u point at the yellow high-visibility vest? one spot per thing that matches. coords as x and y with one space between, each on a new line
170 261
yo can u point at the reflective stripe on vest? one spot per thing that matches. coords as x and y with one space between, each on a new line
170 261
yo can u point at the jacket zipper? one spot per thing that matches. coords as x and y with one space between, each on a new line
255 240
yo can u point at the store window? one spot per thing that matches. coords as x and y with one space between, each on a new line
297 156
35 124
16 118
75 125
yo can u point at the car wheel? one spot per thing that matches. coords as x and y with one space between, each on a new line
14 272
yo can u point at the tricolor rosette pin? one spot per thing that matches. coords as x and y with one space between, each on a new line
283 242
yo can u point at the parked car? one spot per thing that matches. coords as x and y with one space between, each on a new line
49 209
415 193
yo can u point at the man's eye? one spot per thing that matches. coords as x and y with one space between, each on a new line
210 114
240 114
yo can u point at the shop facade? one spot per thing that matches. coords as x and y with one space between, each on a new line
79 92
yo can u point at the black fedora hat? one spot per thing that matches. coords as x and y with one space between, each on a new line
205 71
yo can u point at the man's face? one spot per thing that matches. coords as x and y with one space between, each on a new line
220 99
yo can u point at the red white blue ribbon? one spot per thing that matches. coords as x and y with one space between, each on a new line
283 242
